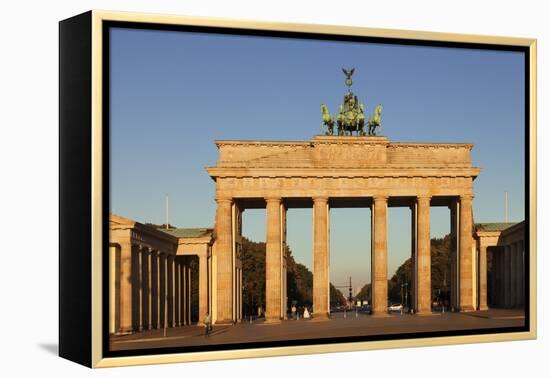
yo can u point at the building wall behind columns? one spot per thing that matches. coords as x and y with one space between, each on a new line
379 276
320 258
500 276
513 275
466 268
507 276
273 260
521 268
224 265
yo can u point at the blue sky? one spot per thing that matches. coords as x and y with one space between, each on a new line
174 93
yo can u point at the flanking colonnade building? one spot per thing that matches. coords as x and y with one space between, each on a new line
505 243
150 277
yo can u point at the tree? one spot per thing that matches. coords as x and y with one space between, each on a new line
400 285
336 297
253 265
364 294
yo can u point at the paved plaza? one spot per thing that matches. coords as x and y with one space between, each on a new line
337 326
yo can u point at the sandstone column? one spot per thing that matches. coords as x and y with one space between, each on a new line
145 288
466 269
114 288
185 321
150 289
284 300
177 303
203 287
379 276
424 257
182 292
189 298
273 261
136 289
155 289
454 248
483 277
320 258
224 251
126 288
162 292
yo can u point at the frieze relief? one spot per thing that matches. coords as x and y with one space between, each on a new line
341 183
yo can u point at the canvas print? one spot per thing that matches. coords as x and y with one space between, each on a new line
269 190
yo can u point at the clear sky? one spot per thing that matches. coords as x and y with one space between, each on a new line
174 93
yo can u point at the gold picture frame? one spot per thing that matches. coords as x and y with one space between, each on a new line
82 294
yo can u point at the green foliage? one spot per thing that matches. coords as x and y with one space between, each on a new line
299 283
336 297
253 264
299 280
441 267
400 284
364 294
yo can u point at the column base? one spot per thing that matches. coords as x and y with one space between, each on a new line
427 313
483 308
123 333
319 316
467 309
272 321
224 322
380 314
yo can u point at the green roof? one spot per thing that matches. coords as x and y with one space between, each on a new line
187 232
489 227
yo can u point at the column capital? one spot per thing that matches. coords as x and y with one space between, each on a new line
380 198
224 200
273 199
466 197
320 199
423 197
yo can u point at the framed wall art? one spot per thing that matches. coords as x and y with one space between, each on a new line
232 189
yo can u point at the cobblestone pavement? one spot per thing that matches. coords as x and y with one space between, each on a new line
337 326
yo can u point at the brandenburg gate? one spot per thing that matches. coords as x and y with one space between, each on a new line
331 171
